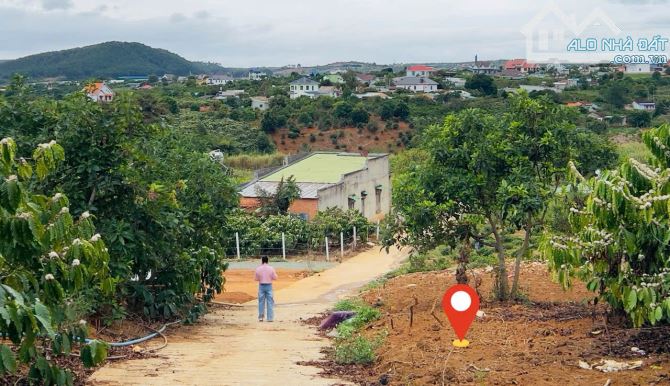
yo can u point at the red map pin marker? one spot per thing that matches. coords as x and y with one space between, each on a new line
461 304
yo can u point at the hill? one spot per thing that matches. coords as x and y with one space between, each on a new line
110 59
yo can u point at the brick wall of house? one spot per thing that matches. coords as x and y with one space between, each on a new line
308 206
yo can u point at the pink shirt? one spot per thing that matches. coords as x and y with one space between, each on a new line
265 274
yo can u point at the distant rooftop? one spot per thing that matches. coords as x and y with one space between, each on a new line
420 67
413 80
321 168
304 81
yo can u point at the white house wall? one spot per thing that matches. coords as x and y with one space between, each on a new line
376 173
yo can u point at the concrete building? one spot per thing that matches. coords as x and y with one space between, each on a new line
99 92
303 87
342 180
257 75
456 82
419 70
260 102
416 84
642 68
219 80
644 105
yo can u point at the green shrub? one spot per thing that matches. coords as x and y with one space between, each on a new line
618 241
356 350
348 305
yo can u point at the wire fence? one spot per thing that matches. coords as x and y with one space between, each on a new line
332 247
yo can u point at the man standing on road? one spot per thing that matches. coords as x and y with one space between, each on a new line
265 274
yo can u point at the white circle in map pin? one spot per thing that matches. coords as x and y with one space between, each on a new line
461 301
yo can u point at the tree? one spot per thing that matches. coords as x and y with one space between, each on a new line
359 116
616 94
618 240
280 200
639 118
484 178
157 195
53 269
482 83
662 108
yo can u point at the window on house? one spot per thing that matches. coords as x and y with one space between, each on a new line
301 87
303 216
364 194
350 203
378 199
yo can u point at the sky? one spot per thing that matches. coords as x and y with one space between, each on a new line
253 33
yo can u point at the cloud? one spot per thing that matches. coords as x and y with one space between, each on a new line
639 2
272 33
202 14
51 5
178 17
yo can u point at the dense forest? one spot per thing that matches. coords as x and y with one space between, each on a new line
110 59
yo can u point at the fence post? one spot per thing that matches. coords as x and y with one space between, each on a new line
283 245
341 246
237 244
354 238
327 253
377 232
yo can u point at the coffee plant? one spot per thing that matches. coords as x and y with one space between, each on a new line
620 239
53 267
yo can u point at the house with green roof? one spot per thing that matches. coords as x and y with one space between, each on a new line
328 179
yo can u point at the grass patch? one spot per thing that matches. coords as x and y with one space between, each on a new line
358 349
635 150
374 284
352 304
350 346
254 161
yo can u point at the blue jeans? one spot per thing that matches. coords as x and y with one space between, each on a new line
265 297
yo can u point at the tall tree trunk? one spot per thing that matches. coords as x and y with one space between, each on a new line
520 254
463 260
502 284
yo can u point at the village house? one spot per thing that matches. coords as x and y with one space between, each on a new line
521 65
224 94
257 75
369 95
260 102
455 82
303 87
644 105
330 91
334 78
99 92
416 84
483 67
419 70
638 68
326 180
512 74
366 79
218 80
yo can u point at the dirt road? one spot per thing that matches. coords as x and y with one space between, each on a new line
230 347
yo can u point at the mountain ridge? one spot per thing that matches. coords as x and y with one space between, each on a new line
108 59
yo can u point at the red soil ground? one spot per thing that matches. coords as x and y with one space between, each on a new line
354 139
536 342
240 286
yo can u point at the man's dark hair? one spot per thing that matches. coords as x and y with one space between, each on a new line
264 259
